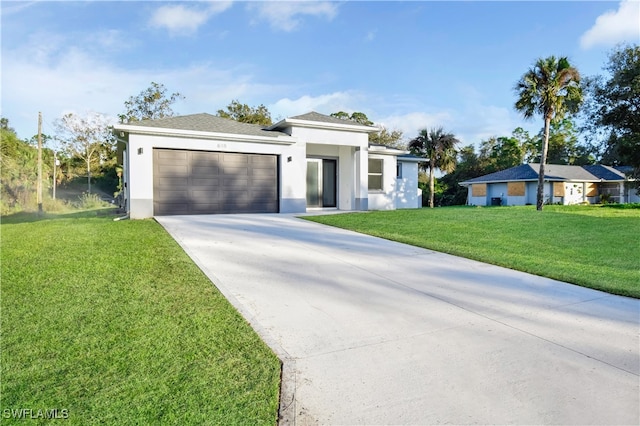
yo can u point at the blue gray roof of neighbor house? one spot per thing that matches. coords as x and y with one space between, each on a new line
605 172
521 172
553 172
207 123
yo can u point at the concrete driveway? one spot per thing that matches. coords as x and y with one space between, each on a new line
377 332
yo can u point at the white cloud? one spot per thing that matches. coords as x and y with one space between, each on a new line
614 26
286 16
411 123
183 19
52 75
324 104
10 8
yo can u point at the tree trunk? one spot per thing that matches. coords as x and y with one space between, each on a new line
543 160
89 174
431 184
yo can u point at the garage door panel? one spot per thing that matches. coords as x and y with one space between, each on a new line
235 171
173 182
204 208
263 173
236 196
204 170
173 170
204 196
199 182
208 182
261 197
172 196
262 160
230 157
172 155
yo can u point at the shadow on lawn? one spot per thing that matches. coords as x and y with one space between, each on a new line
28 217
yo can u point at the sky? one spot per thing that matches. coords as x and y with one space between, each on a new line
406 65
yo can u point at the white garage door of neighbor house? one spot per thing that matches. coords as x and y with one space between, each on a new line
203 182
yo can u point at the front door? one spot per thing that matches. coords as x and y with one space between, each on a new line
321 182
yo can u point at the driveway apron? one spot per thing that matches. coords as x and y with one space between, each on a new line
376 332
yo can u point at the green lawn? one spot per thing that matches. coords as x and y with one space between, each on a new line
112 322
592 246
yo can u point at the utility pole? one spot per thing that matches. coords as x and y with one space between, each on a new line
55 163
39 184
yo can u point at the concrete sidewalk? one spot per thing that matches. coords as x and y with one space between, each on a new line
377 332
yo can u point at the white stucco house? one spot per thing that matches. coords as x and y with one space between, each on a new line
204 164
564 184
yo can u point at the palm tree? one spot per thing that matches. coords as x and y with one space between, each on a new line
551 88
439 148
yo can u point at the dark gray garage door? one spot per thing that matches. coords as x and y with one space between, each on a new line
202 182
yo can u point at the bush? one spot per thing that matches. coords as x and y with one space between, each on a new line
55 206
605 198
90 201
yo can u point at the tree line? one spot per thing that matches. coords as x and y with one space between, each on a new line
608 106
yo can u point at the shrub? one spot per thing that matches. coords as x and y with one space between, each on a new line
55 206
605 198
90 201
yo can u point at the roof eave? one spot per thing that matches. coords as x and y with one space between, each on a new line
290 122
180 133
387 150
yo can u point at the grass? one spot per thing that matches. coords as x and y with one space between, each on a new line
112 322
590 246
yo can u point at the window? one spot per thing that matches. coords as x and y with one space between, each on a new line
399 170
375 174
479 190
515 189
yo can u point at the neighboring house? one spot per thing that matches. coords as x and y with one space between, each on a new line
203 164
518 185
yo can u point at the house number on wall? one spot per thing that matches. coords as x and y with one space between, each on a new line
222 146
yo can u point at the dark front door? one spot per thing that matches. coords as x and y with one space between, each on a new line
321 182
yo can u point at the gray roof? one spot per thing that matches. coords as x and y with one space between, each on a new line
316 116
553 172
208 123
562 172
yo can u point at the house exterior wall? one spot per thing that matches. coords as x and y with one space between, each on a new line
329 137
352 147
408 195
497 190
532 193
292 184
386 198
477 194
345 155
501 190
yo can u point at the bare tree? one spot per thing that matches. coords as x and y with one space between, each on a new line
85 136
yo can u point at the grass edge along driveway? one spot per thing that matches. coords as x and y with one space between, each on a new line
111 322
592 246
